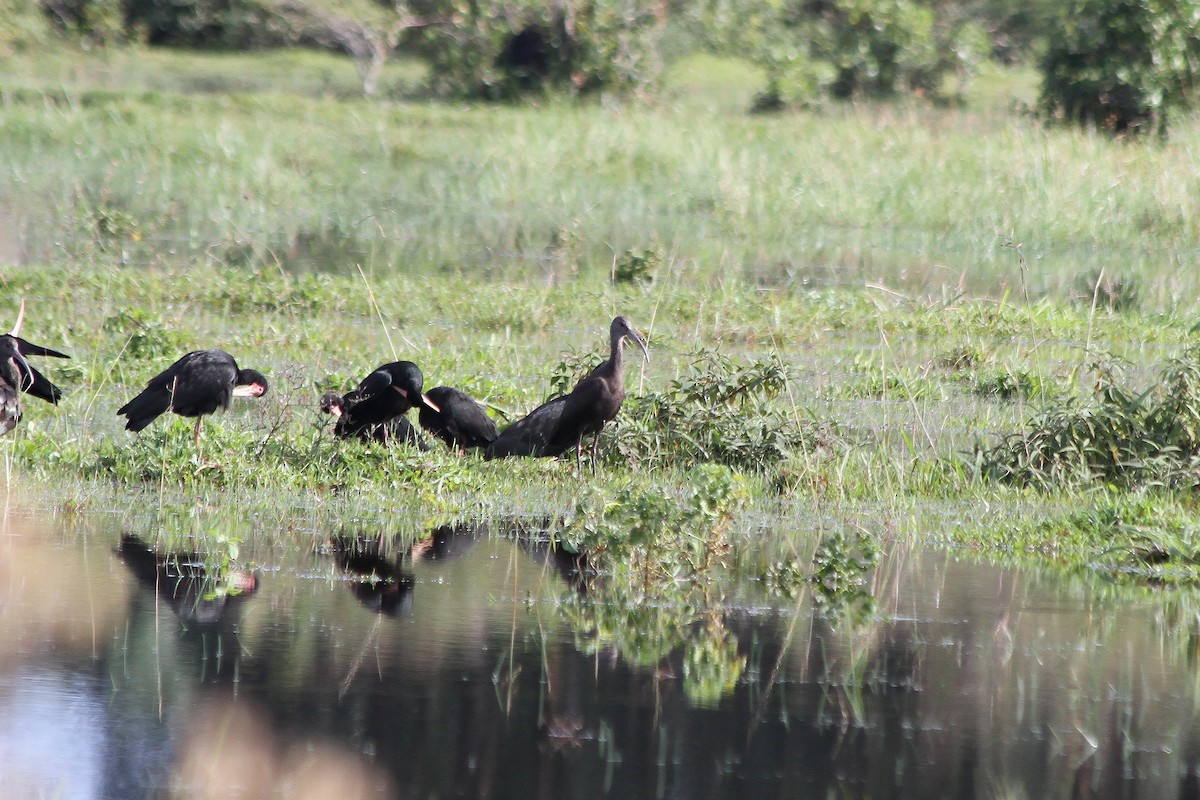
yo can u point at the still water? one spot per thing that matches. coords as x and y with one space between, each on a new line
463 675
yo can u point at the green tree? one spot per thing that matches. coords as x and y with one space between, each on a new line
499 49
847 48
1122 65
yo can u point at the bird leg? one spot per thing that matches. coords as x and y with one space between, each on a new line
196 434
595 449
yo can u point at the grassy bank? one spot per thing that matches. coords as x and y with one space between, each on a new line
870 409
850 309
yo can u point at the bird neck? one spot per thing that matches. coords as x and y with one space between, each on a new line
617 354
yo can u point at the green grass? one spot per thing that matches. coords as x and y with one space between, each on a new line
123 158
862 262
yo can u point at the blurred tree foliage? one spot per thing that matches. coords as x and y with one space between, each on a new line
813 49
1116 64
22 25
1122 65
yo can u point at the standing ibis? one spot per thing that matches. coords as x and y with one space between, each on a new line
459 421
17 375
375 409
197 384
555 427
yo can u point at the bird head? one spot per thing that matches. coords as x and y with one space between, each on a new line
331 403
621 328
251 383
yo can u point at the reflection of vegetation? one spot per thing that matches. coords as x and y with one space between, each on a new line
1139 537
840 568
712 664
661 557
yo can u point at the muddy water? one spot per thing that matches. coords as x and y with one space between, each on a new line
460 675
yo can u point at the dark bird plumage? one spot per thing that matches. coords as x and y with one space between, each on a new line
195 385
460 422
375 409
555 427
396 429
18 375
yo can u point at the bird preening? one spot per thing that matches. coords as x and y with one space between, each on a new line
18 375
554 427
195 385
458 420
376 409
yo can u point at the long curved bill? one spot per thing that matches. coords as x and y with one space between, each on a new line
637 337
20 359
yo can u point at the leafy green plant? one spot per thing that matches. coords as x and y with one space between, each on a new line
662 535
147 336
1121 436
717 411
1007 384
840 567
638 267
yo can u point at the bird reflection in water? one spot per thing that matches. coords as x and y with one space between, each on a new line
381 584
198 589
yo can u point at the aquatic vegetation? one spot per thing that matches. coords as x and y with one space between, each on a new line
717 411
1122 435
660 561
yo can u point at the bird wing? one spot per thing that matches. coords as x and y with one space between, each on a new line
373 384
42 388
529 435
581 415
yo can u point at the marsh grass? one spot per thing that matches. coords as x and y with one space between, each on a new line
915 198
1122 435
838 304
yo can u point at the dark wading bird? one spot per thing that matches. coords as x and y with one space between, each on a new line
555 427
197 384
17 375
375 410
460 422
396 429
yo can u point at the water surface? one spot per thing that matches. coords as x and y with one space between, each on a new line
468 674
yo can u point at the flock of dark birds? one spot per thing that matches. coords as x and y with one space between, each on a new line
376 410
